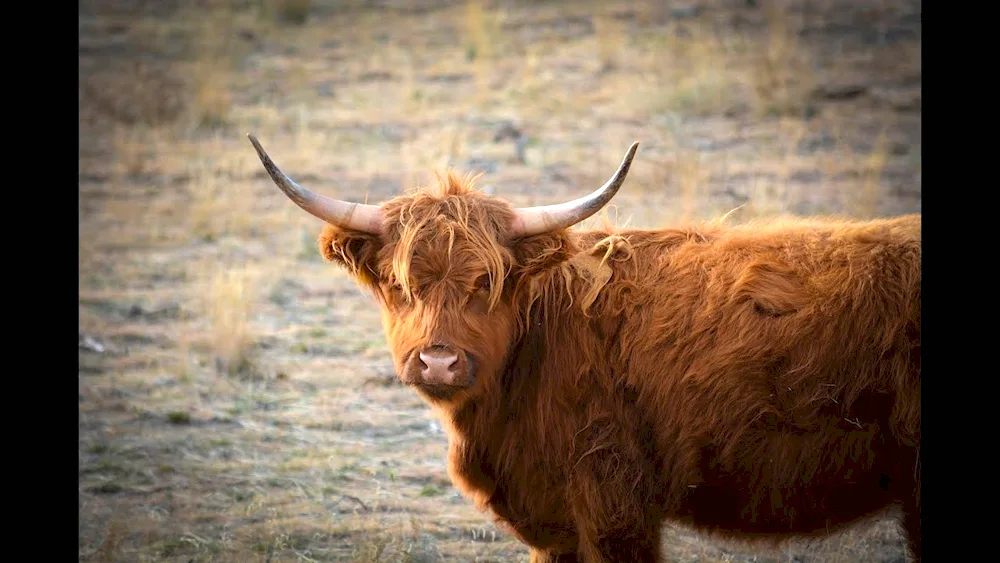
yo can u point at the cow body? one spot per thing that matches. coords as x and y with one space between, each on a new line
755 382
759 381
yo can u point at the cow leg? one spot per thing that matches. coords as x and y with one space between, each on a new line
640 547
639 544
541 556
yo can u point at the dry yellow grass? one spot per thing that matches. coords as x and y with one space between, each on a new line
782 73
194 267
229 298
608 34
865 202
483 34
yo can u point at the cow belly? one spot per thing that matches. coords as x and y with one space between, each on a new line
816 509
787 477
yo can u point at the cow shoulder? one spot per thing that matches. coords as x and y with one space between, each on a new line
773 287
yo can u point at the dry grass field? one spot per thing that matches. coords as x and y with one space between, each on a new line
236 395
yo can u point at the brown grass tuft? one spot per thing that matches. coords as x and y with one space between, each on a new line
694 73
289 11
228 303
865 201
609 36
483 32
212 100
110 548
781 73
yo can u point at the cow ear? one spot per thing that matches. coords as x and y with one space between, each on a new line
539 253
352 250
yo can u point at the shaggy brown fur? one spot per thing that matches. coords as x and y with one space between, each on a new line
758 381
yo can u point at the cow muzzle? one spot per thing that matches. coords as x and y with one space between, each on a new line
438 365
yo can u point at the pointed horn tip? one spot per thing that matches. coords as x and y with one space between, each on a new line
261 154
632 148
255 143
627 159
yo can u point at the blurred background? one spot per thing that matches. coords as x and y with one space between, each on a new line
237 398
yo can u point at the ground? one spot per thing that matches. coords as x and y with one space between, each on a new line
236 395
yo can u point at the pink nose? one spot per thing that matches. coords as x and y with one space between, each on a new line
438 365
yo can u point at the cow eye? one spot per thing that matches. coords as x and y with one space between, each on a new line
483 282
395 288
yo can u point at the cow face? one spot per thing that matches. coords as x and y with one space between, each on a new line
445 268
442 271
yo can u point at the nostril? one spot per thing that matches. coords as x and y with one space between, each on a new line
435 360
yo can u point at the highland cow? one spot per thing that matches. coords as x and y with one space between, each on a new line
757 381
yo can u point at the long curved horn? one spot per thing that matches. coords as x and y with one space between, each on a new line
546 218
348 215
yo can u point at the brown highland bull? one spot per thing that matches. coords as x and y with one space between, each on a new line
759 382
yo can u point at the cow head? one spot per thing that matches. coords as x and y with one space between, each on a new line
445 268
